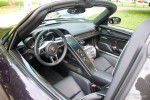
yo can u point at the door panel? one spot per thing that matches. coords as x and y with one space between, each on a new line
111 45
113 39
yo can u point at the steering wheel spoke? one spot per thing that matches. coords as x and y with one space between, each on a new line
54 58
50 48
41 51
60 43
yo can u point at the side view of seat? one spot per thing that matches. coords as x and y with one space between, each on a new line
105 63
76 87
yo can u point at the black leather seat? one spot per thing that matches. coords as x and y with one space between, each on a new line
76 87
125 61
105 62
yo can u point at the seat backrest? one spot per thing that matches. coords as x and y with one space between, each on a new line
74 86
133 45
128 57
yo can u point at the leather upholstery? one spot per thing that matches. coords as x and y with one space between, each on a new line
105 63
128 60
84 83
74 86
69 88
102 78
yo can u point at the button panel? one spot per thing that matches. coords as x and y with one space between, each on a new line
75 46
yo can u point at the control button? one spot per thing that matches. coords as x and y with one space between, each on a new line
85 58
82 54
79 51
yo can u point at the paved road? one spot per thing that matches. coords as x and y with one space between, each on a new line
9 19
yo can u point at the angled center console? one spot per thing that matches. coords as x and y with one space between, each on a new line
100 78
80 55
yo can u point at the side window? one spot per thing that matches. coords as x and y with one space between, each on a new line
141 88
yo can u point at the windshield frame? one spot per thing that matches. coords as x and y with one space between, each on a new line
62 14
25 27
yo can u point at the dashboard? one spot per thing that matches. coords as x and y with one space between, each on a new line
79 30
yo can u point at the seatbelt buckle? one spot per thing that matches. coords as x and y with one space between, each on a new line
93 87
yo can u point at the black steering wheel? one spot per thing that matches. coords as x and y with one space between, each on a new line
49 48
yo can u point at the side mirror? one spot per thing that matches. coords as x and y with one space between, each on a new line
114 20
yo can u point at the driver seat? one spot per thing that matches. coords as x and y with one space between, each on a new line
76 87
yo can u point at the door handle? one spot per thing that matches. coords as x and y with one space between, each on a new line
115 49
108 31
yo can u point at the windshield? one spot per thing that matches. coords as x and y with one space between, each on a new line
89 14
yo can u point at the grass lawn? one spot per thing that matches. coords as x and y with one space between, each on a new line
130 18
5 2
3 31
132 4
17 2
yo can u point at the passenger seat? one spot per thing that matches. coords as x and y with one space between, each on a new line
105 62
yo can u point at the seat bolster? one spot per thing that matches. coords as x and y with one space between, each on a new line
69 88
111 59
101 63
84 83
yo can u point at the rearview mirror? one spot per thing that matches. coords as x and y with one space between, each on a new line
114 20
76 10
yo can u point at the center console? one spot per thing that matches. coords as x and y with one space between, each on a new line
80 55
100 78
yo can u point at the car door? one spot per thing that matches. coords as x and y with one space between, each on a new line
16 81
112 39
